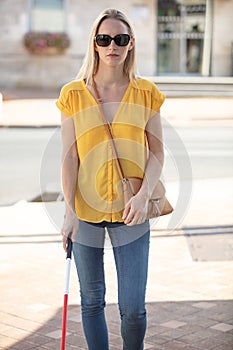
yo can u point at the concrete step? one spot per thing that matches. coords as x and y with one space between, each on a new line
194 86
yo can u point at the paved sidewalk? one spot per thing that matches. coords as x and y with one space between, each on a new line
37 108
190 286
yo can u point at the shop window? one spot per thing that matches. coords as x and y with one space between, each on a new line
47 15
181 27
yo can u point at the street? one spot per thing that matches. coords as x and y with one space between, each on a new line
30 158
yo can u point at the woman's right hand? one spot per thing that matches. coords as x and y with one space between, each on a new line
69 228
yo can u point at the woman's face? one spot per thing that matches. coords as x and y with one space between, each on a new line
113 55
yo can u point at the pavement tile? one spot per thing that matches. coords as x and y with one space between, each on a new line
56 334
22 346
206 333
176 345
79 330
217 310
76 341
54 322
222 327
17 333
38 307
193 328
190 338
72 326
156 329
201 339
204 305
45 329
116 340
175 333
223 347
5 330
190 347
147 346
197 320
157 340
54 345
223 339
6 341
194 337
159 317
37 339
222 316
173 324
209 343
114 328
230 320
113 347
19 322
179 309
75 318
113 316
228 338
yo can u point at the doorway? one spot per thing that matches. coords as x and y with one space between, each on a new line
181 31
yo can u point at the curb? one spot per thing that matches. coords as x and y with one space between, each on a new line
184 112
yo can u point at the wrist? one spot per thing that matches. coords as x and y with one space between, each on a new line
143 195
144 189
69 212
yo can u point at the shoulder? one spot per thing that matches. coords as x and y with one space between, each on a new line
145 85
149 93
69 96
75 85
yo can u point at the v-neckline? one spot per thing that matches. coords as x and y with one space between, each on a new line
124 98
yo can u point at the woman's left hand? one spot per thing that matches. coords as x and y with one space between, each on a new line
135 211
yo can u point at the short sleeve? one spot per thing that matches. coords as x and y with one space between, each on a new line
157 98
64 101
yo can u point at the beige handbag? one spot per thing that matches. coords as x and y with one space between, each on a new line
158 203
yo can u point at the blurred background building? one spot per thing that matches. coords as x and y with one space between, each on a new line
176 38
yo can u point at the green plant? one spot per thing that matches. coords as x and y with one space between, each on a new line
39 42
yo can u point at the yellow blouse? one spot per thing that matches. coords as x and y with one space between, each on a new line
99 194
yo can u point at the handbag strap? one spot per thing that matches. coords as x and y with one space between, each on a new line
109 132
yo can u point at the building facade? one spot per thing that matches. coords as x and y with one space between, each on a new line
174 38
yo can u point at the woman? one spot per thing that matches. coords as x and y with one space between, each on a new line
93 196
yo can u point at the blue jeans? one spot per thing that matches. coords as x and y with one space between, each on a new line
131 249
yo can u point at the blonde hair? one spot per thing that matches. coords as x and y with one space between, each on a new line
91 61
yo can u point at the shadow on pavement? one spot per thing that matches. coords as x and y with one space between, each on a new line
182 325
210 243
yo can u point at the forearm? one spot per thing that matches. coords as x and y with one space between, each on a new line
70 162
155 160
152 173
69 181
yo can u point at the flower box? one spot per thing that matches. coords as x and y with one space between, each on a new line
45 43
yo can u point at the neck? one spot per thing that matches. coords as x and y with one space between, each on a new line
110 76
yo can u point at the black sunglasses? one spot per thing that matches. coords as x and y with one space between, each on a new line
105 40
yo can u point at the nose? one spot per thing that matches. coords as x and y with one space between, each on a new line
112 44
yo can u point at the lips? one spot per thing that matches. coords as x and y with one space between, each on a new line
112 55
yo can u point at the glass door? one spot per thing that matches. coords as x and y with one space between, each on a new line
181 27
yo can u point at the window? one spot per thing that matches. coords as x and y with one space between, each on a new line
181 27
47 15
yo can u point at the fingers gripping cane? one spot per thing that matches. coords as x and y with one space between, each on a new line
65 306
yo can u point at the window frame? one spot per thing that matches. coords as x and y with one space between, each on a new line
30 15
